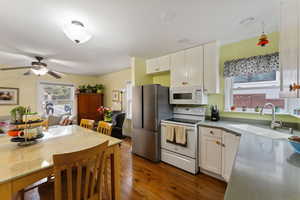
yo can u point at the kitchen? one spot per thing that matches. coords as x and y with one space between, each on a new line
189 100
243 151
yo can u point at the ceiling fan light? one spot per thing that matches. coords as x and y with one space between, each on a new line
76 32
40 72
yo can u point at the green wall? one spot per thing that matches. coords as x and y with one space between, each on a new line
241 49
163 79
138 72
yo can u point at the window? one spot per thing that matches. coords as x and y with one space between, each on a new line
129 100
55 99
247 92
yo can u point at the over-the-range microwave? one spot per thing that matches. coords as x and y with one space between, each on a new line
188 95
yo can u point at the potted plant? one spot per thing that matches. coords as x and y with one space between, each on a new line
17 113
99 88
82 88
106 112
89 88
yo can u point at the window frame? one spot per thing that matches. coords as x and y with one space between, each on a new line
230 86
39 90
260 84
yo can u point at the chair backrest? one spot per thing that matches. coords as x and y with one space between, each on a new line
118 119
79 175
104 128
87 123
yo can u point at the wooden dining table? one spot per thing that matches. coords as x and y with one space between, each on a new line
22 166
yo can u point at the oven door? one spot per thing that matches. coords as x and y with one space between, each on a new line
182 96
189 150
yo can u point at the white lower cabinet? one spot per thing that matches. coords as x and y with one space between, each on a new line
211 153
217 151
230 144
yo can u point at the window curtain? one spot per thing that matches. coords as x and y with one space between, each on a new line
252 65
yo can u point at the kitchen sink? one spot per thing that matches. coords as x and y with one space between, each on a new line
274 134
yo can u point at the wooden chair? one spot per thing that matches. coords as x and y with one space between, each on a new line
78 175
104 128
87 123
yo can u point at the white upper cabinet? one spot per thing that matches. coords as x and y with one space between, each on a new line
289 47
197 66
151 66
156 65
164 63
194 65
179 73
187 68
211 68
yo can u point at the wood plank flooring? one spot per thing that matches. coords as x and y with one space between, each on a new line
144 180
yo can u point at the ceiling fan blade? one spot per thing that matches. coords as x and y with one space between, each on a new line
15 68
27 73
54 74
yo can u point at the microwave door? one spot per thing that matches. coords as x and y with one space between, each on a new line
182 97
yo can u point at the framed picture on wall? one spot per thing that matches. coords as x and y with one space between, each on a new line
9 96
116 96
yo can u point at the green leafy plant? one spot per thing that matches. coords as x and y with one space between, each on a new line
98 88
18 112
82 88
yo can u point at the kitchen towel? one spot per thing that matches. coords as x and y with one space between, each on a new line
170 137
180 135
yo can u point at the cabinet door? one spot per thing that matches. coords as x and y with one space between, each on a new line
230 144
179 72
194 65
152 66
164 63
211 68
289 49
211 154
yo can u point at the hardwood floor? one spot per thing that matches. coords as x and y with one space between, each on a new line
144 180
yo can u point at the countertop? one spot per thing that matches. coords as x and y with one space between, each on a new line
16 161
264 169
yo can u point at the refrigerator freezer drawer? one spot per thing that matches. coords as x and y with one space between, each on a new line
182 162
146 144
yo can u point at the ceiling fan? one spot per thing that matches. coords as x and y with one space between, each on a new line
37 67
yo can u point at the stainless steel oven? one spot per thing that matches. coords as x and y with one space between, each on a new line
187 95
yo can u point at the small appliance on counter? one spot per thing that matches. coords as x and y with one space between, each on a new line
215 113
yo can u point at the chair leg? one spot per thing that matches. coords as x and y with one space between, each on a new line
108 196
22 194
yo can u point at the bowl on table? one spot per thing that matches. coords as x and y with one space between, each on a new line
295 142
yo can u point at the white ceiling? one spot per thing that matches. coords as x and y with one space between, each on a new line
123 28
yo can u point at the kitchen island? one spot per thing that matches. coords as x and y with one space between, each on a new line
265 168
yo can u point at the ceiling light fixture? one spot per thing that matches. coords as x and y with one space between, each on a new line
40 72
77 32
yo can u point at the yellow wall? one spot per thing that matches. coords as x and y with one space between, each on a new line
28 86
114 81
139 76
163 79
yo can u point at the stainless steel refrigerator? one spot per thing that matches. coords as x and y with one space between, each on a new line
150 105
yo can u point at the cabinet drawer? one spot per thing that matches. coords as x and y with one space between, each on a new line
182 162
213 132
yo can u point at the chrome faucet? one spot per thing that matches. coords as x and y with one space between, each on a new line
274 124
